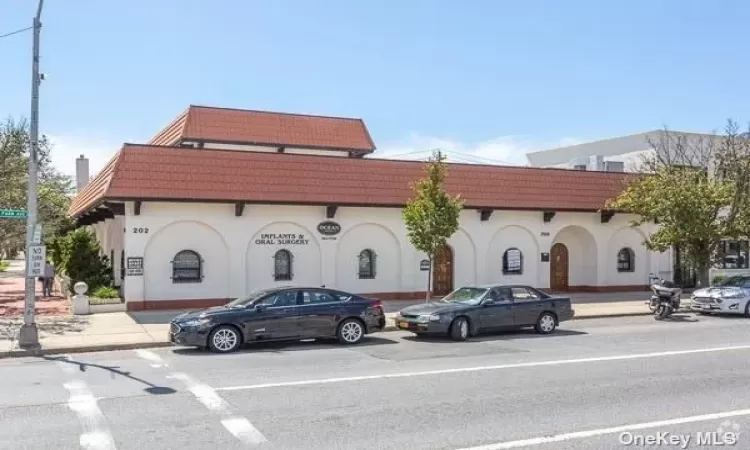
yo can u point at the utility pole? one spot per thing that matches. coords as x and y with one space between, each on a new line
29 336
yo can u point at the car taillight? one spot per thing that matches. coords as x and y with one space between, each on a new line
377 307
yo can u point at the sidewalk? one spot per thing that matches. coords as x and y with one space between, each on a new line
122 331
12 288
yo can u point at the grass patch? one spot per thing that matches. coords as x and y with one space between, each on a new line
104 301
4 266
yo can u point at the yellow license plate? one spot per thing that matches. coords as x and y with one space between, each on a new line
403 325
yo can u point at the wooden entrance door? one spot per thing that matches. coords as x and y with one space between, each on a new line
558 268
442 274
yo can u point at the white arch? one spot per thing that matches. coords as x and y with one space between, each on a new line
388 264
497 247
306 267
157 276
583 255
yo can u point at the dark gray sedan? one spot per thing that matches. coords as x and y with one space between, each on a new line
471 310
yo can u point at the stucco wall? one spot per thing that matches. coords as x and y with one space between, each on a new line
238 251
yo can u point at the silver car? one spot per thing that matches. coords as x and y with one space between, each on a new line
731 296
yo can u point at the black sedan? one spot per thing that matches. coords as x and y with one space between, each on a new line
471 310
289 313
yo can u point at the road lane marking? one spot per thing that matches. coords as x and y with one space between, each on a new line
483 368
96 435
239 426
148 355
604 431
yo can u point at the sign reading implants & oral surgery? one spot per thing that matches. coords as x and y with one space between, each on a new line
282 239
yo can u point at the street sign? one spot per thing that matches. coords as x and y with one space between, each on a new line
13 213
36 238
38 255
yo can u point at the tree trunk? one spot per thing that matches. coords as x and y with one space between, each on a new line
703 275
429 281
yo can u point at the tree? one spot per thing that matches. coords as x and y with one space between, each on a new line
431 217
53 190
697 188
79 257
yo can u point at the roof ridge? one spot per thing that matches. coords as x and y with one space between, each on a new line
182 116
410 161
280 113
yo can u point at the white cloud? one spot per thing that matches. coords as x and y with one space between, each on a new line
504 150
66 149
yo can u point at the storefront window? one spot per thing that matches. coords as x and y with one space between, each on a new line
512 262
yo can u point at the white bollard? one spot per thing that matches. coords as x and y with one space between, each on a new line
80 300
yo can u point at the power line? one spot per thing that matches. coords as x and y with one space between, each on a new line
16 32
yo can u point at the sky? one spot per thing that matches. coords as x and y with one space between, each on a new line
486 80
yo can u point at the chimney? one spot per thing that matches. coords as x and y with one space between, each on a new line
82 172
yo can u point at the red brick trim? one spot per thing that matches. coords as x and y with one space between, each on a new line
193 303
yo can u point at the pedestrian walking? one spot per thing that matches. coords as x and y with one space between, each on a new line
49 280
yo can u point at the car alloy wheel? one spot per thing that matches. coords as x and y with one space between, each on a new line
224 339
546 323
459 330
351 332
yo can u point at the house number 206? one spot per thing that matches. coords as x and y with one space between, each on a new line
140 230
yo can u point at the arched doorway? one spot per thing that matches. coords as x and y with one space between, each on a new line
558 268
442 272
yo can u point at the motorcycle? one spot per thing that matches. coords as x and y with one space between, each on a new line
666 299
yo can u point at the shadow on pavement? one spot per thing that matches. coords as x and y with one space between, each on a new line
499 336
290 346
156 317
82 366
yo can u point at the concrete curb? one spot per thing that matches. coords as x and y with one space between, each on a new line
83 349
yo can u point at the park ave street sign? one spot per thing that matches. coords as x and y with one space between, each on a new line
13 213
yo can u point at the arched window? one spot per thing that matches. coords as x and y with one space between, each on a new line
366 264
282 265
512 262
625 260
187 267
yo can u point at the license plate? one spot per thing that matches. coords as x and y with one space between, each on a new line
403 325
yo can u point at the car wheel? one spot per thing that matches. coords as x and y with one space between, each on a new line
747 309
224 339
459 330
351 331
546 323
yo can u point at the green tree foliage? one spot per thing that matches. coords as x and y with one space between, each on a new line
78 256
697 188
431 216
54 190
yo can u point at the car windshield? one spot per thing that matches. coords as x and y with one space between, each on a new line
732 282
468 295
244 301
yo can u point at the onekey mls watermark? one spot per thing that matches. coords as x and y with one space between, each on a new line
727 435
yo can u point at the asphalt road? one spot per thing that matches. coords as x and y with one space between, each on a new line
596 384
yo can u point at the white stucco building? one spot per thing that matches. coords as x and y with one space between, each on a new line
625 154
224 201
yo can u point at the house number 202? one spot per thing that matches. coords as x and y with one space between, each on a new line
140 230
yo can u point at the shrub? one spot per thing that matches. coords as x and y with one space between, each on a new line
4 266
105 292
80 259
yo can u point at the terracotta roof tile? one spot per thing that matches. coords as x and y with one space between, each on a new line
170 173
250 127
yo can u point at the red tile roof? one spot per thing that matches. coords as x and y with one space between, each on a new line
223 125
185 174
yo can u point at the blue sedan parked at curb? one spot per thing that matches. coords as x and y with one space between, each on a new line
280 314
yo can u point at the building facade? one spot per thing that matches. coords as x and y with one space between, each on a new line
624 154
194 219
